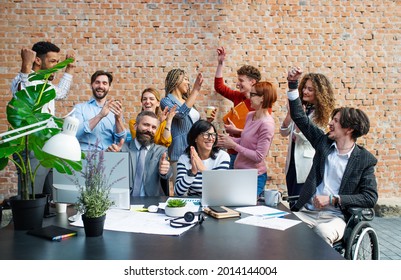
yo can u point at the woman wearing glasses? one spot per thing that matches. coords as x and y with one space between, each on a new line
257 134
201 154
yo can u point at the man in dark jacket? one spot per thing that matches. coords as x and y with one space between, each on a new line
342 174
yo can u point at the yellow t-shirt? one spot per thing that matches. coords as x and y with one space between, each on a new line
159 138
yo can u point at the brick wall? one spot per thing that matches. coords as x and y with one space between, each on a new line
355 43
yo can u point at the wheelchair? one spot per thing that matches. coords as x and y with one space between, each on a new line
360 241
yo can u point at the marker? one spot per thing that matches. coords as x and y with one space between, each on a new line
64 236
274 214
270 217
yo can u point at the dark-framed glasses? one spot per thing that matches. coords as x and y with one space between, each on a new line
252 94
207 135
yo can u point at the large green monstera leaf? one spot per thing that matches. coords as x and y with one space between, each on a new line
25 109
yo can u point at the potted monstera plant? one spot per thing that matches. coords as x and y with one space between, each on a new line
23 110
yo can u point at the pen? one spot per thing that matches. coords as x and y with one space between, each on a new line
270 217
64 236
274 214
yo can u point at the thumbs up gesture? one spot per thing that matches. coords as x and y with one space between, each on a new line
164 164
116 147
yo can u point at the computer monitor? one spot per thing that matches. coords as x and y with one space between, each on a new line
65 191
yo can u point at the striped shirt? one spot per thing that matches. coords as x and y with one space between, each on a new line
192 186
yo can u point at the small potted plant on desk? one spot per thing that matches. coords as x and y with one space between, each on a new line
94 198
29 130
175 207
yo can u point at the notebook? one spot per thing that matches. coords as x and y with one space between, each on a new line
52 232
232 187
229 214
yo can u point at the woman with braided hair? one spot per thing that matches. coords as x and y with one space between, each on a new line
179 94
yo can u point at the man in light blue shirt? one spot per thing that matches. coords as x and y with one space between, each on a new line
101 119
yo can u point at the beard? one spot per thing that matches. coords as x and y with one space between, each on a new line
145 138
99 94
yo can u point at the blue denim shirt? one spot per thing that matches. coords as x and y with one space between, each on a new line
104 132
180 126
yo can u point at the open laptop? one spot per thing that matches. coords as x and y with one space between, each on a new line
232 187
65 191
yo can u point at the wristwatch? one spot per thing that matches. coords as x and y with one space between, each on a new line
190 174
337 201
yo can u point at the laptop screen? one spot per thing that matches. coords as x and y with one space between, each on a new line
232 187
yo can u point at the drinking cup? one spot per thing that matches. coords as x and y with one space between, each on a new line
272 197
209 111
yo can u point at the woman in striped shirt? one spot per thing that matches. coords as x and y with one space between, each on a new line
201 154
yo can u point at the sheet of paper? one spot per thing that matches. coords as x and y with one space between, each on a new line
273 223
261 210
138 222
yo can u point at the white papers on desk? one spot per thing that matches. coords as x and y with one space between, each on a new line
261 211
273 223
138 222
264 216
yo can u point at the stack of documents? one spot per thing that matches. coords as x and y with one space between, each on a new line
139 222
268 217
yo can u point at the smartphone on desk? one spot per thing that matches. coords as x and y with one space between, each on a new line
217 209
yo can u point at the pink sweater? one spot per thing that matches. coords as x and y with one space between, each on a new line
254 143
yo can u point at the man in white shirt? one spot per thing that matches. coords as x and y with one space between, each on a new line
43 55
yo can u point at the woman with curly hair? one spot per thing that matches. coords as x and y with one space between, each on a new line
317 95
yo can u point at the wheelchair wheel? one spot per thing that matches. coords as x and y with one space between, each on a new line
363 243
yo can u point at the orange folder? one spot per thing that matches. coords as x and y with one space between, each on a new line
237 115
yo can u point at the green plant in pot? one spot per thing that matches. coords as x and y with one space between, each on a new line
175 207
94 197
24 110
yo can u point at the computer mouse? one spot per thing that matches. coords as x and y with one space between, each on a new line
153 208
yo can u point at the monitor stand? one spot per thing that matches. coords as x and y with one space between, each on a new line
47 213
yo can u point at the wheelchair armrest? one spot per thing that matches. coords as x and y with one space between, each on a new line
293 198
366 214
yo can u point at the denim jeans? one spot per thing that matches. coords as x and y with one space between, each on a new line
262 179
